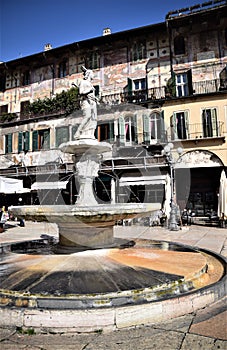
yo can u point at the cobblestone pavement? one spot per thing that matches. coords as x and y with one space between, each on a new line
206 329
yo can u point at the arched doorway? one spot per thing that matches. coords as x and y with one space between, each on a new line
197 182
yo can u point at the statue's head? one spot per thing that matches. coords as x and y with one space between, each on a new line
88 73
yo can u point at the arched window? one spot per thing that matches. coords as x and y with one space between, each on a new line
128 129
153 128
179 45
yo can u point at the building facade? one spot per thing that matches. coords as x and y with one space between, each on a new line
159 84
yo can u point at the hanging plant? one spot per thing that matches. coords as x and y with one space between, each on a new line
66 101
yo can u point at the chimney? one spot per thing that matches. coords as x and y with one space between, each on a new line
106 31
47 47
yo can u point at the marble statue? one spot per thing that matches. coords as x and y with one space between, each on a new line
88 104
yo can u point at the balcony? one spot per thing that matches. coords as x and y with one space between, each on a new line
162 93
200 131
155 94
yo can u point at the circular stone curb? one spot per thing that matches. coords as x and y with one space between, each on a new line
46 314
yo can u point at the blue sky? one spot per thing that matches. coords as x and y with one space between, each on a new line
27 25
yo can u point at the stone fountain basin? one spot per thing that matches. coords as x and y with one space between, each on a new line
85 226
90 215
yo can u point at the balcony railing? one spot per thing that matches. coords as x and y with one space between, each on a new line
136 96
162 93
200 131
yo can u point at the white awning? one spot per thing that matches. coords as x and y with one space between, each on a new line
142 180
54 185
9 185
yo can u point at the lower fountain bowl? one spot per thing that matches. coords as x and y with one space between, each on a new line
84 226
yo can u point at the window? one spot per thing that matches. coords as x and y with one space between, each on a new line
105 132
26 78
138 51
136 90
8 143
209 122
128 129
3 109
23 141
93 61
182 85
62 69
153 127
24 106
140 84
179 45
62 135
180 125
41 140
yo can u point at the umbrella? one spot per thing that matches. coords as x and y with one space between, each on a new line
222 198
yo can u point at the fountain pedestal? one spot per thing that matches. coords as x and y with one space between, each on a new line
87 224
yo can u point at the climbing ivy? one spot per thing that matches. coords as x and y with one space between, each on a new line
66 101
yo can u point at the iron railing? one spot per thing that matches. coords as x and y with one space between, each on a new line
137 96
200 131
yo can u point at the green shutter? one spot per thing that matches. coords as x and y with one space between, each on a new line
190 86
35 140
186 124
46 139
174 126
111 131
146 128
62 135
96 90
121 129
162 127
20 142
214 121
26 141
135 128
129 87
9 146
74 130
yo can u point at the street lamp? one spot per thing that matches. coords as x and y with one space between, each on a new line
172 225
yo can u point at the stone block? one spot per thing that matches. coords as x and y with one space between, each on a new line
129 316
11 317
79 320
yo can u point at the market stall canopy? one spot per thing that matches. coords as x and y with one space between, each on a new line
9 185
54 185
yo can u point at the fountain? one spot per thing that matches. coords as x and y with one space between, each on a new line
90 280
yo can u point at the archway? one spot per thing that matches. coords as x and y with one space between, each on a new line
197 182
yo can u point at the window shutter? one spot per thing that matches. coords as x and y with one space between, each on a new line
214 121
96 90
74 130
9 145
35 140
129 87
27 141
20 142
121 129
162 127
174 126
111 132
146 128
186 123
134 119
46 139
190 87
62 135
